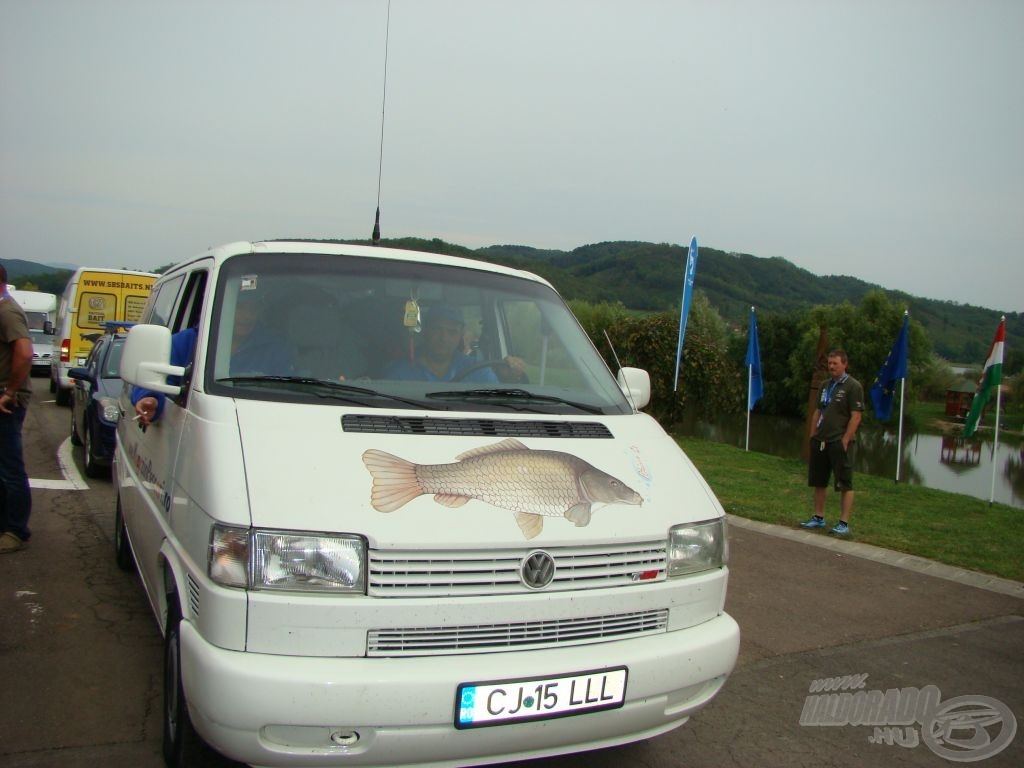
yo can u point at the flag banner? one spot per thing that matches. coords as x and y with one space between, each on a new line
684 312
753 363
893 370
990 379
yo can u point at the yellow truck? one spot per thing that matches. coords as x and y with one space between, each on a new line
93 296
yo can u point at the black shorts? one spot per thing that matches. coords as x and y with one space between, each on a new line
830 459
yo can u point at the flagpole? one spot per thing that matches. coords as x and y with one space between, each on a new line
899 431
750 385
995 444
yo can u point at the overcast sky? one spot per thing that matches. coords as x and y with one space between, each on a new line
877 138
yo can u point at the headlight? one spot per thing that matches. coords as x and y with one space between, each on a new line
287 560
109 409
697 547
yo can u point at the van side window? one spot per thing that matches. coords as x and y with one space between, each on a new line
162 302
191 306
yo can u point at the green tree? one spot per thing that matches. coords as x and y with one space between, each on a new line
867 333
708 380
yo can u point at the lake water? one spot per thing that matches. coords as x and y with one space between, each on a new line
945 462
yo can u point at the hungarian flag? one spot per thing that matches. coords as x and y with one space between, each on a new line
990 380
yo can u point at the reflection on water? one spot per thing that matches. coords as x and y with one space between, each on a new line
958 450
945 462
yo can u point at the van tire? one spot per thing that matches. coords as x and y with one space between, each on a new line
183 747
122 549
63 396
53 386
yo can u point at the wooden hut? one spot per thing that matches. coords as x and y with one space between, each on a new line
958 400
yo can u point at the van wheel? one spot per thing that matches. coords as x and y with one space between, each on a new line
183 747
76 439
63 396
53 386
92 469
122 549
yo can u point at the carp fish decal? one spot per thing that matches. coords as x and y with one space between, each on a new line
533 484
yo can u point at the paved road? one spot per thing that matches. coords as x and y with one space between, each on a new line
80 651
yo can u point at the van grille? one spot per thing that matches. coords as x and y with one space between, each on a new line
525 635
419 425
458 573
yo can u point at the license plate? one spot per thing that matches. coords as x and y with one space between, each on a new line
513 701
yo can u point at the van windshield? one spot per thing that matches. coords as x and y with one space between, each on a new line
390 333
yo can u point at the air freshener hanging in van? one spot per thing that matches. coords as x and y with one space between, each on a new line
412 315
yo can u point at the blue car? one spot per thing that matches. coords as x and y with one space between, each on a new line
94 402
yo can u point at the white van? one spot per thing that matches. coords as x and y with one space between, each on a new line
358 562
41 312
40 308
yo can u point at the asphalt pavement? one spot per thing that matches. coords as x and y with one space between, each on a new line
80 652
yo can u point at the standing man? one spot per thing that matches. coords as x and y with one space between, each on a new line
839 412
15 365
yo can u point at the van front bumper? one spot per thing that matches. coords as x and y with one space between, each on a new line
270 710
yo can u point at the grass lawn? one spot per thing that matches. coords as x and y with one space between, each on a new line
948 527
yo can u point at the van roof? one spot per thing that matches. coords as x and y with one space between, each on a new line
78 272
224 252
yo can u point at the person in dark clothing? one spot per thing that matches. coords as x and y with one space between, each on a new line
837 417
15 367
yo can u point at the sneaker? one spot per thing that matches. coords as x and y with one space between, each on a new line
840 529
10 542
814 522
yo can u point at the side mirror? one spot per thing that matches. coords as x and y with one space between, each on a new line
635 383
79 374
145 361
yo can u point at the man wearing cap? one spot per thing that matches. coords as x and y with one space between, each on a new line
439 355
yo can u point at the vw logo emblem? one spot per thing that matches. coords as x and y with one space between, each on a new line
537 570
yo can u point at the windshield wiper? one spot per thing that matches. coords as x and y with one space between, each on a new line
520 395
338 390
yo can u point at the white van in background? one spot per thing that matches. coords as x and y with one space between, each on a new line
92 297
357 560
41 312
40 308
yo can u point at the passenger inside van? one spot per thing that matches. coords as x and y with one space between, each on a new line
257 348
324 344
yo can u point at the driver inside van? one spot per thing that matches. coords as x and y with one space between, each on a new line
439 354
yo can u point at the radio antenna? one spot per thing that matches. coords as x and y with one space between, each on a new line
618 364
384 101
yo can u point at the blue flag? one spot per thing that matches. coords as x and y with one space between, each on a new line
753 363
894 369
684 312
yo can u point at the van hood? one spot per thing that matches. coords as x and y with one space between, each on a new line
305 471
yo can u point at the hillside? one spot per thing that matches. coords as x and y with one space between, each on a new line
648 276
